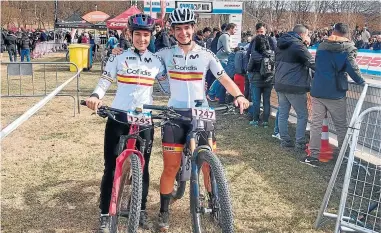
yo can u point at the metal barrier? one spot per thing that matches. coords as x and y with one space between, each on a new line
360 203
372 99
360 196
323 208
34 79
43 48
7 130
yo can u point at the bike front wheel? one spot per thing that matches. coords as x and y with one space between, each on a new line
210 203
129 197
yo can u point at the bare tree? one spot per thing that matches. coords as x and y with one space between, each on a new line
277 14
279 8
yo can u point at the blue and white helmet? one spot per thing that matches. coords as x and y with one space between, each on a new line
182 16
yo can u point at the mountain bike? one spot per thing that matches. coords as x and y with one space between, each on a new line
210 207
126 193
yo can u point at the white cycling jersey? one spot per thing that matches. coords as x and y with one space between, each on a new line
187 73
135 74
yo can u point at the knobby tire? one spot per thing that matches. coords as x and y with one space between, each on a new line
225 214
134 186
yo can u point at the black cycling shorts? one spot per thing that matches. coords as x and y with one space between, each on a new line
178 135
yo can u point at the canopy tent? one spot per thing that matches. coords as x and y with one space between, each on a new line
73 21
120 21
76 21
95 16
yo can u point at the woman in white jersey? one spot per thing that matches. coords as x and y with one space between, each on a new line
135 71
187 64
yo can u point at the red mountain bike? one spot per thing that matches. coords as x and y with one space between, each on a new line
126 193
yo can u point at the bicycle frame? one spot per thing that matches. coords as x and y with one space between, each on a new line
121 164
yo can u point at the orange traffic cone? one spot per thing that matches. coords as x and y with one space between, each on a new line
326 151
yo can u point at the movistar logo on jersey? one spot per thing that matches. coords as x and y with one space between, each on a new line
193 56
189 68
138 72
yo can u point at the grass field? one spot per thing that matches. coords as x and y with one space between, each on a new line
53 163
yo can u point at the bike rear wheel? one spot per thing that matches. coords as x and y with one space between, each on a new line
210 211
129 197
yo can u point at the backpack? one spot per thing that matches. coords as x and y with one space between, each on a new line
240 62
222 47
229 69
267 65
214 43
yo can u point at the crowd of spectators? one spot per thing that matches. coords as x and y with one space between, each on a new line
282 61
21 42
362 37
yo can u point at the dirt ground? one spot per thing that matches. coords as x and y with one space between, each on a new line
51 167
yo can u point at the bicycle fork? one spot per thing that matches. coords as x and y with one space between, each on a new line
209 181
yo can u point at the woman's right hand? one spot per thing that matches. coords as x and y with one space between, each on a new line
93 103
117 51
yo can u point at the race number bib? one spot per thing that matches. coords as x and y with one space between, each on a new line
204 113
135 118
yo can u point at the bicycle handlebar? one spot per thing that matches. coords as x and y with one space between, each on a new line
168 113
221 108
164 108
104 111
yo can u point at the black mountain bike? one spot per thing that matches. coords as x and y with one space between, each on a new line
210 203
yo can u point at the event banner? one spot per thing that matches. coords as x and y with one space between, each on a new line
199 6
369 61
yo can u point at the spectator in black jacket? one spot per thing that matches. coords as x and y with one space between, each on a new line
162 38
260 30
261 84
376 46
11 42
25 45
292 82
43 36
68 37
